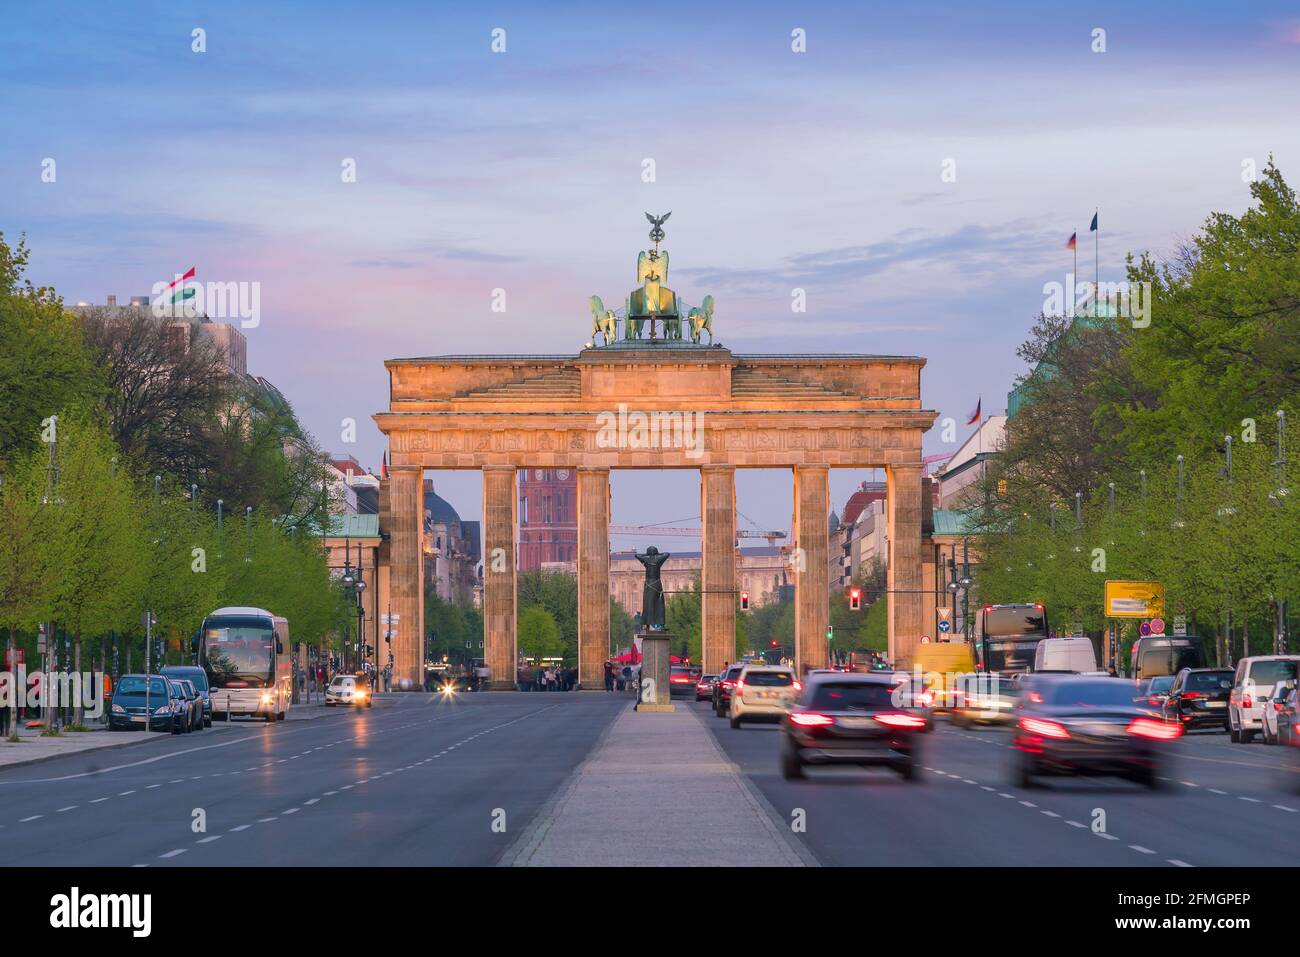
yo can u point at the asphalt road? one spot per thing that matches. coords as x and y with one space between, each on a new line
1222 804
416 780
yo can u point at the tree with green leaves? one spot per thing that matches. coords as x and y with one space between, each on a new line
539 634
24 557
96 538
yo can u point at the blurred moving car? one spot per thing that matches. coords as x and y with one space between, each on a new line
197 677
128 707
1076 725
682 680
348 690
1253 682
1198 698
763 692
722 689
850 719
1278 706
704 687
984 699
193 703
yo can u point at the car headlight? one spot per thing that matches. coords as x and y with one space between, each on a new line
163 710
118 709
266 699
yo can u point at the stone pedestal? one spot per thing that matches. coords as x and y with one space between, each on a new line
656 694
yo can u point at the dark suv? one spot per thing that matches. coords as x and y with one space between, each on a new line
1198 698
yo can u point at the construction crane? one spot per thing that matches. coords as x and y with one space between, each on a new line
772 536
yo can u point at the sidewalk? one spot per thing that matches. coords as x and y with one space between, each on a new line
34 747
657 792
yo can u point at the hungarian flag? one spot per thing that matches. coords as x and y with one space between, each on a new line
1074 241
975 416
173 294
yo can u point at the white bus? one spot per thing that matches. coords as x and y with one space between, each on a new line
245 653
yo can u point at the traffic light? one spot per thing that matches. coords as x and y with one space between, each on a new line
773 642
744 602
855 599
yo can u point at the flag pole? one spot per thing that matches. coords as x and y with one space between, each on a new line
1074 280
1096 261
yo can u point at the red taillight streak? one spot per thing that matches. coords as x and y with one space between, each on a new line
891 720
808 719
1155 730
1044 729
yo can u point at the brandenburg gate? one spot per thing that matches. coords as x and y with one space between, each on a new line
651 399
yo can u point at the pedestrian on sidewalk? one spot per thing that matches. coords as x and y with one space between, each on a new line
609 676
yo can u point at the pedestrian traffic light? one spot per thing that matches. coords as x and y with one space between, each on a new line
855 599
744 602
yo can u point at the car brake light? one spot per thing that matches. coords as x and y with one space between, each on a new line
1156 730
1035 697
810 719
1245 701
1192 695
1044 729
900 720
798 686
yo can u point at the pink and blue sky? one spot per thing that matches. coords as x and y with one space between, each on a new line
522 170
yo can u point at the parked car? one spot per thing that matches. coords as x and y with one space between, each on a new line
763 692
722 689
853 719
1276 706
197 677
193 703
1253 683
1077 725
1198 698
682 680
704 687
127 710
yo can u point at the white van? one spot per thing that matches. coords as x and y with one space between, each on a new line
1065 654
1251 685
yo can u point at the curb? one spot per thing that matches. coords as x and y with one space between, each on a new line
134 742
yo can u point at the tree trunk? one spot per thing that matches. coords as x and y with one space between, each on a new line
12 666
77 713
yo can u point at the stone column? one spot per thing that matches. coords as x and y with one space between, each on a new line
406 576
812 496
593 577
500 528
718 566
906 597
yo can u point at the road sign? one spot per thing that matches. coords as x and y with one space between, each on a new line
1134 599
1157 626
925 639
943 627
1180 626
944 613
390 619
1145 629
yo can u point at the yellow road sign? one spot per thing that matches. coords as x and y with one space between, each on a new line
1135 599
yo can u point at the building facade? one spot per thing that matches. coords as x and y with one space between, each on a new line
548 520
